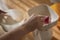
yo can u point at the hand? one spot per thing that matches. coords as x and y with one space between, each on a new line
32 23
43 20
35 22
40 21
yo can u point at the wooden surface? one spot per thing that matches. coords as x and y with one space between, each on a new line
25 5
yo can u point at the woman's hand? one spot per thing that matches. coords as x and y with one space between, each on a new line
30 25
42 22
35 22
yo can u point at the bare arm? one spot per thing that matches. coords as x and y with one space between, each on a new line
18 33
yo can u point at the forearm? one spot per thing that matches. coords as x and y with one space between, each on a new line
18 33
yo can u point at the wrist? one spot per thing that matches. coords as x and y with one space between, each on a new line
29 27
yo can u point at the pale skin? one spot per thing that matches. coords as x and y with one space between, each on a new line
34 22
